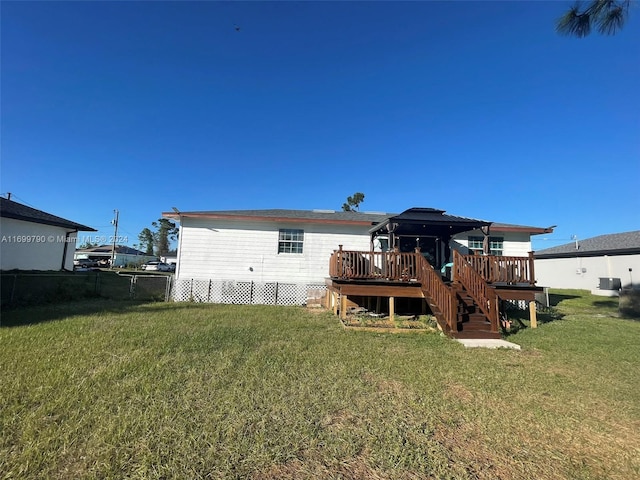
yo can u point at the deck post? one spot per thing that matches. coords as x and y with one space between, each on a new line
343 306
532 273
532 314
392 308
334 302
340 272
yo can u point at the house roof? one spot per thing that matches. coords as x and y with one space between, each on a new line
510 227
274 215
353 218
626 243
123 249
18 211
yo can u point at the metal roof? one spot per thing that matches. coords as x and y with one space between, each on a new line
610 244
427 221
18 211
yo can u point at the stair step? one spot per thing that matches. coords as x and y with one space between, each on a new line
475 334
476 326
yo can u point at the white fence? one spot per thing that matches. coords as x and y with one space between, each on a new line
246 293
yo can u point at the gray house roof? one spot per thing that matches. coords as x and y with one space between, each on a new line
337 217
315 216
626 243
18 211
123 249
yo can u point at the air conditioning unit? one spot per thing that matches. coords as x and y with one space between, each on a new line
610 284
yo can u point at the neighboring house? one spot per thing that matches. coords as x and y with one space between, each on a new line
169 259
602 264
36 240
295 246
123 255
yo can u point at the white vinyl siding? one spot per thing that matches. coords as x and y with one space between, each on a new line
245 251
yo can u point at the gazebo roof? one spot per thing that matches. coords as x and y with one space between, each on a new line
426 222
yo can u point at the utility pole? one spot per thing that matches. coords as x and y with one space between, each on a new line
115 237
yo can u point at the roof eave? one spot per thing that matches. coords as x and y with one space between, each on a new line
588 253
76 227
259 218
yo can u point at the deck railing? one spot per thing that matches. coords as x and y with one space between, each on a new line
398 266
484 295
509 270
439 293
349 264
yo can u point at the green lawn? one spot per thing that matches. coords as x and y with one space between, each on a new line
104 389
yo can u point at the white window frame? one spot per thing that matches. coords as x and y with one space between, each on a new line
290 241
496 245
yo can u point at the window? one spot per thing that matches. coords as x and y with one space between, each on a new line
290 241
475 244
496 245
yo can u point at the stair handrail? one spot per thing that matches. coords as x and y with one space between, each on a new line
439 292
485 296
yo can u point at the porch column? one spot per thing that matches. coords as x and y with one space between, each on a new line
532 314
486 247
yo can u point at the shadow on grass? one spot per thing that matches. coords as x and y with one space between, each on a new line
610 303
555 298
519 319
32 315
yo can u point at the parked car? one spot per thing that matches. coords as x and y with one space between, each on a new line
156 266
84 263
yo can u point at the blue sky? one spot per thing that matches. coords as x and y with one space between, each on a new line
477 108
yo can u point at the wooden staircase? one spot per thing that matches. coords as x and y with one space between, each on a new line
471 322
466 308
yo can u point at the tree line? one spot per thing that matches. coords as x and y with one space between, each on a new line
157 241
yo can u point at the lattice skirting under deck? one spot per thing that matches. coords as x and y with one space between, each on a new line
246 293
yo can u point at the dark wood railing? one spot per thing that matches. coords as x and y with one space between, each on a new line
510 270
440 294
484 295
397 266
349 264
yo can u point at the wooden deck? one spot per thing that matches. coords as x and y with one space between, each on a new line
466 304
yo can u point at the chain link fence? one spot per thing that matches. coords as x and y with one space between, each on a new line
37 288
246 293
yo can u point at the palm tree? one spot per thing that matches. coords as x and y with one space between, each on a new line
608 17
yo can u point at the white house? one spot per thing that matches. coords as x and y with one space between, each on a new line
35 240
601 264
122 257
218 250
